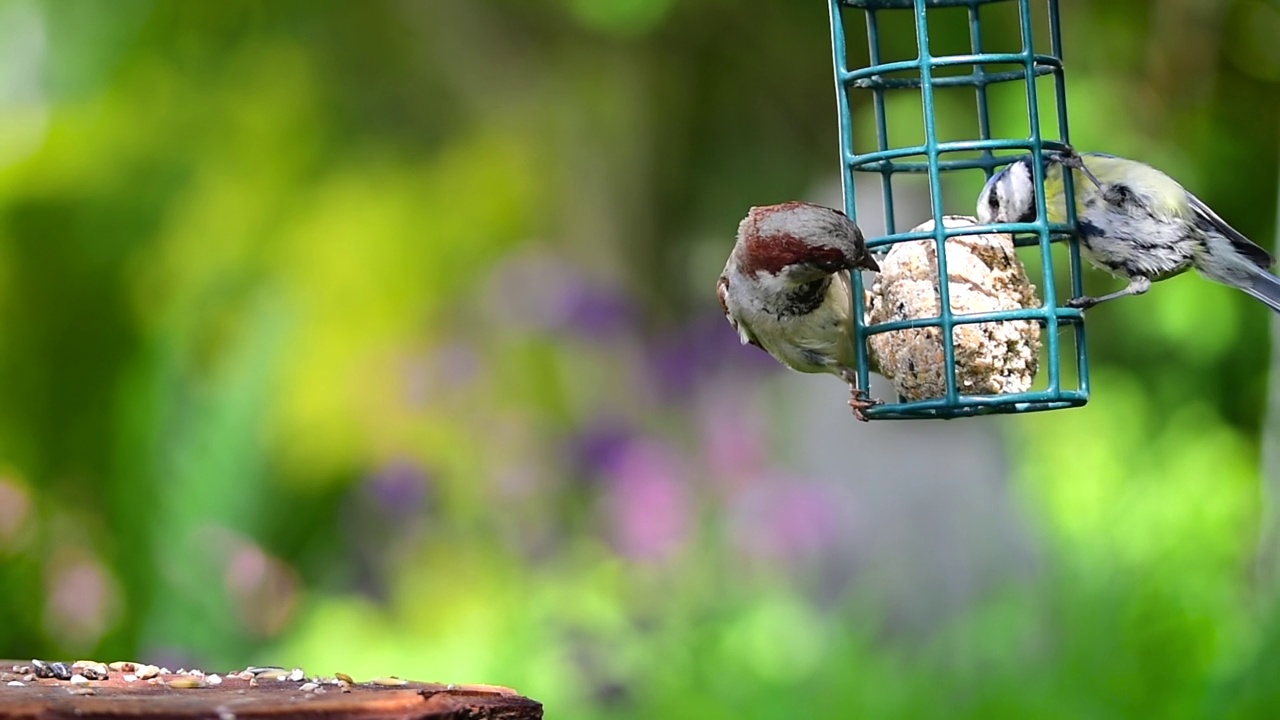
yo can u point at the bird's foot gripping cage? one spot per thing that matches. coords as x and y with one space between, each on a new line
974 72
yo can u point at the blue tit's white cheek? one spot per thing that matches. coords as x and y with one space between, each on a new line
1004 205
984 217
999 208
988 210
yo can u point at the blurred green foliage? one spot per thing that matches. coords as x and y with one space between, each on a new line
377 337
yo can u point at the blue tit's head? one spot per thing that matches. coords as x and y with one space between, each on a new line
1009 196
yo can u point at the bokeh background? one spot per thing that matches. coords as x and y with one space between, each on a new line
380 337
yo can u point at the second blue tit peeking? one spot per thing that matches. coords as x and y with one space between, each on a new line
1136 223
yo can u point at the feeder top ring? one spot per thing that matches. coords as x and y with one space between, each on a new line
904 4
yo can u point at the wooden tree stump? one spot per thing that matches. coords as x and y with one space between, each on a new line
31 690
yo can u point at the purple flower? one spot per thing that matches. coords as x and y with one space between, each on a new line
598 448
595 311
542 292
399 488
707 345
385 515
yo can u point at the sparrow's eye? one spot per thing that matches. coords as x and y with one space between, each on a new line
830 265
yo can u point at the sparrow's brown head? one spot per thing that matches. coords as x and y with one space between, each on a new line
800 239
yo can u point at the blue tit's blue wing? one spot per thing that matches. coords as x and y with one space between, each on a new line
1206 216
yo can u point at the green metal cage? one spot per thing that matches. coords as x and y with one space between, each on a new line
925 74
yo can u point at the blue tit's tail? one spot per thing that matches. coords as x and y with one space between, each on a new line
1264 286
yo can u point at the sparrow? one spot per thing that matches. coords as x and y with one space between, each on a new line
786 289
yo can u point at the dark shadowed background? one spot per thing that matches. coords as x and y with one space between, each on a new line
380 337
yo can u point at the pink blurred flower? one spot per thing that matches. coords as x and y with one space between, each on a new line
264 589
83 601
435 373
647 506
791 521
733 435
15 509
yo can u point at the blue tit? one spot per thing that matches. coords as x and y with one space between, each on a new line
1135 222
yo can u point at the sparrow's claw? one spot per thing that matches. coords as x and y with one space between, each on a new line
859 401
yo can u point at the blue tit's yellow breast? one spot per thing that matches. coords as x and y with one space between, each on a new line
1055 197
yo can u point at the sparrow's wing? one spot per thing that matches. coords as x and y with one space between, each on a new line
1241 244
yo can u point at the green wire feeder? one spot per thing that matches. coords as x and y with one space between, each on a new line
917 74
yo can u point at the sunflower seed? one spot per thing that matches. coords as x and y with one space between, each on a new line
90 669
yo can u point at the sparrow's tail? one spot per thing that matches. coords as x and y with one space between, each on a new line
1265 287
